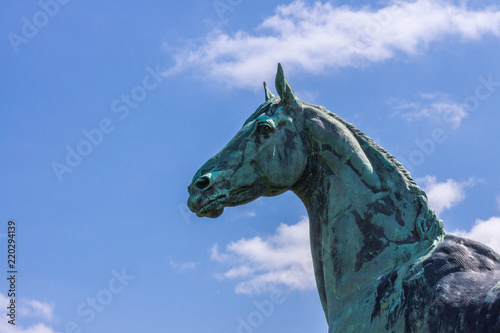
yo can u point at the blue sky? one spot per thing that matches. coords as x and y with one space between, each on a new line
108 109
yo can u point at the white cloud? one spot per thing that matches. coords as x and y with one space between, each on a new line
26 308
436 107
314 37
444 195
34 308
262 264
486 232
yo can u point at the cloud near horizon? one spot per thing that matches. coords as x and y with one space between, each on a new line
26 308
314 37
262 264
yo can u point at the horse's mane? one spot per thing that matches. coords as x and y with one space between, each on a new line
429 224
365 141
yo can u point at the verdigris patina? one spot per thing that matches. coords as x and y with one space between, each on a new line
382 259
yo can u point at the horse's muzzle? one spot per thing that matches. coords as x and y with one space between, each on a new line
203 199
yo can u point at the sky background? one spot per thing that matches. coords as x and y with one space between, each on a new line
109 108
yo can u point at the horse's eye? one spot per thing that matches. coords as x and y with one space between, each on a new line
264 128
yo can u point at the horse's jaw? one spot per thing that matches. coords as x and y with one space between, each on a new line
213 210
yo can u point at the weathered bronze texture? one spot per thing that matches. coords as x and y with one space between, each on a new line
382 259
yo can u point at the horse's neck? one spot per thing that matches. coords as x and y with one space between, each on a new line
359 233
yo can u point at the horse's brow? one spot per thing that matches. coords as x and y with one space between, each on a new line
261 110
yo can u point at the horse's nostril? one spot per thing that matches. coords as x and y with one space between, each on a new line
202 183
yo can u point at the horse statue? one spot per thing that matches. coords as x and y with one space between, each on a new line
382 259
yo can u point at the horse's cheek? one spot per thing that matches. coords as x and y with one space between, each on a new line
283 169
270 165
297 164
294 159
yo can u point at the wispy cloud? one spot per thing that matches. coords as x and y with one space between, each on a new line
261 264
444 195
182 266
243 214
435 107
486 232
32 308
314 37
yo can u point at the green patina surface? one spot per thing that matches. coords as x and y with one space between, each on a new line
382 260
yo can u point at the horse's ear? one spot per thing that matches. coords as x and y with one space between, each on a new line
284 89
269 94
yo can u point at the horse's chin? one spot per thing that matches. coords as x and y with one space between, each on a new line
212 213
211 209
